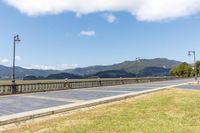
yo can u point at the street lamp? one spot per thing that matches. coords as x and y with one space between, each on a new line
137 59
16 39
195 67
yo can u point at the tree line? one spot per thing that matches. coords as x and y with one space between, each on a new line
185 70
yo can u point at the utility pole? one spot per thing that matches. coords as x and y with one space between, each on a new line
16 39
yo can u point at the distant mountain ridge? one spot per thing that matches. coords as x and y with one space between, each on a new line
157 66
128 66
6 72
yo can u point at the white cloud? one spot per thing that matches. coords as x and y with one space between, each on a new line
110 18
144 10
88 33
4 61
53 67
18 58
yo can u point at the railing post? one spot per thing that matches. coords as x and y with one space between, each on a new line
14 91
100 84
122 82
66 85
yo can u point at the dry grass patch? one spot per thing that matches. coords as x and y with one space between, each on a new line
166 111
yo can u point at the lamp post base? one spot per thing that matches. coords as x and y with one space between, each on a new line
14 89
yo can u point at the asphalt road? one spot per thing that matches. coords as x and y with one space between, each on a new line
13 104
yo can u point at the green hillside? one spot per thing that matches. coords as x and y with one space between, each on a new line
128 66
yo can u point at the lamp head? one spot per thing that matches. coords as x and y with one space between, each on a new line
189 53
16 38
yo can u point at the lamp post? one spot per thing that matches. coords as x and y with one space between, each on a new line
16 39
137 59
195 67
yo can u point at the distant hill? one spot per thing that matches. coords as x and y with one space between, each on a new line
53 76
155 71
6 72
113 74
128 66
146 67
63 76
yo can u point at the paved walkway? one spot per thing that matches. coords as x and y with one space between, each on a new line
189 87
14 104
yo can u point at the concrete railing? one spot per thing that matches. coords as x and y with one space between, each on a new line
39 86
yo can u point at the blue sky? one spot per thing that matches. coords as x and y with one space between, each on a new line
69 39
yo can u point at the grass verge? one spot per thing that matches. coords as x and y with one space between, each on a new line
165 111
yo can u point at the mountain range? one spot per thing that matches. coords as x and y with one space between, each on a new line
128 66
144 67
6 72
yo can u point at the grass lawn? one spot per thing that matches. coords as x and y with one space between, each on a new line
168 111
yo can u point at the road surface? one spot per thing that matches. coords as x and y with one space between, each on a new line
13 104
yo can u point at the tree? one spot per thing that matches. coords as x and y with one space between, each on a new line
30 77
183 70
198 67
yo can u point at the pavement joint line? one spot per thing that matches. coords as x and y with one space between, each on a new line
54 99
130 86
151 84
133 87
1 114
107 91
139 87
6 111
59 109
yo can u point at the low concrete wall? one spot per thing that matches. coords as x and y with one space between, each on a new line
34 86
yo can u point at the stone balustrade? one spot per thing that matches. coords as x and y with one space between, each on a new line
40 86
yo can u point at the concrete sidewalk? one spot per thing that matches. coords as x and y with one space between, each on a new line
15 108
